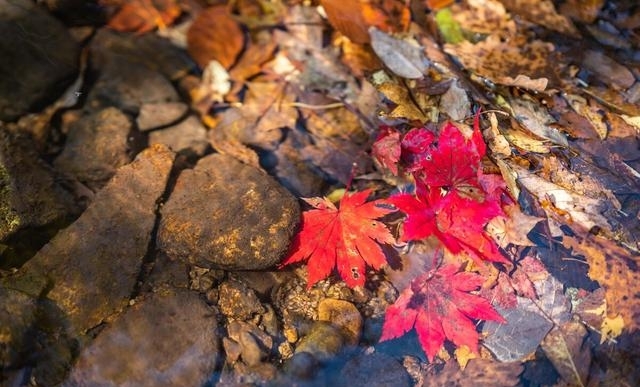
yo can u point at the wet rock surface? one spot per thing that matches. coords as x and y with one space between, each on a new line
96 146
93 264
31 192
227 215
39 58
166 271
164 339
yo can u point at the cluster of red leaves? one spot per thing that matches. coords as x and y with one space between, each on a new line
453 202
453 199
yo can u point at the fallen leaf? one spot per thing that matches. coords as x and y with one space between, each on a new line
502 62
570 356
455 102
537 120
512 228
560 202
528 322
615 269
142 16
542 12
404 58
439 306
405 106
215 35
344 238
347 17
386 149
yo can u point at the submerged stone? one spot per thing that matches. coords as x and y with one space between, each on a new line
165 339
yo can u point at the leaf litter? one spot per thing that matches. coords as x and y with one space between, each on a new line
484 231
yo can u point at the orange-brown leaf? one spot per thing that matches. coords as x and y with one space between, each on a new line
215 35
142 16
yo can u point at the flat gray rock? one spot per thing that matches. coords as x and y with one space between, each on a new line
227 215
165 340
94 263
39 58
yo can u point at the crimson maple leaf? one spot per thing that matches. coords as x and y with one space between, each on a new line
344 238
386 149
458 224
451 168
439 306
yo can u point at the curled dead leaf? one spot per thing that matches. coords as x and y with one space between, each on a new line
215 35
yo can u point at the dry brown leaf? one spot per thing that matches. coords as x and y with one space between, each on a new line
496 140
402 56
616 270
585 11
542 12
347 17
503 61
354 17
142 16
255 55
582 184
537 120
484 17
478 372
565 349
359 58
215 35
455 102
562 203
526 142
405 107
513 228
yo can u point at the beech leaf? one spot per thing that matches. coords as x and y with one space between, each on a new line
344 238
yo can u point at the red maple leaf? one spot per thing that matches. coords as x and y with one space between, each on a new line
452 167
457 222
386 149
344 238
439 306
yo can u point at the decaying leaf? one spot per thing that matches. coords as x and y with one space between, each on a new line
404 58
616 270
528 322
142 16
583 210
215 35
542 12
455 102
347 17
502 62
405 107
537 120
568 353
512 228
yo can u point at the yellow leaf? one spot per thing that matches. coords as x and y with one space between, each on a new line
463 354
611 328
